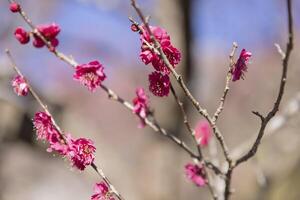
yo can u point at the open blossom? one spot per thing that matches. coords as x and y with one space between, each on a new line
90 75
140 103
241 65
159 84
14 7
149 56
22 35
50 32
203 133
20 86
101 192
196 174
45 130
81 152
43 124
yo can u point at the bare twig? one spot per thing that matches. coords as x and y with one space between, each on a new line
265 120
228 79
192 133
61 133
275 124
274 110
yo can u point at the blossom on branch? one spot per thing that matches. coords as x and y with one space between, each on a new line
43 125
81 152
22 35
14 7
140 103
20 85
203 133
50 32
159 84
90 75
196 174
241 65
101 192
148 55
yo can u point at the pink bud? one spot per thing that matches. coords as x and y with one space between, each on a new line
14 7
21 35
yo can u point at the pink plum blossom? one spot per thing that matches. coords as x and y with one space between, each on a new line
203 133
159 84
140 103
22 35
90 75
241 65
149 56
101 192
20 85
196 174
81 152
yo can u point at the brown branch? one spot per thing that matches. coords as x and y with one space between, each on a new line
192 133
274 110
157 128
265 120
113 96
228 79
182 84
98 170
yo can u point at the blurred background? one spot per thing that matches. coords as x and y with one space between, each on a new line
140 163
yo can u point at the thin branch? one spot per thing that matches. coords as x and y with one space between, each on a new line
60 132
192 133
228 79
113 96
265 120
276 124
157 128
274 110
182 84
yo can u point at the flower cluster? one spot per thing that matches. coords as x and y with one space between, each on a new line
159 80
102 192
79 151
149 56
90 75
49 31
196 174
203 133
241 65
140 103
20 85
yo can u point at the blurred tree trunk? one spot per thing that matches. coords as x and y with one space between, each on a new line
175 17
